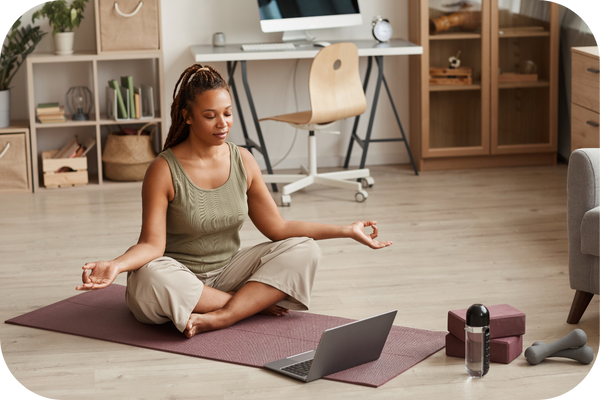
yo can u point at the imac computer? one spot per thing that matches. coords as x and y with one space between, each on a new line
295 17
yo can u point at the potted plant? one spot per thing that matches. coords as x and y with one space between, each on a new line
63 18
19 43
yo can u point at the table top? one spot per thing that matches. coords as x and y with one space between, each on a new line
234 52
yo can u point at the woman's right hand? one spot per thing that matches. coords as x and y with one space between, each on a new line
98 275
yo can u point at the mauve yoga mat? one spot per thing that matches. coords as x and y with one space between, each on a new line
104 315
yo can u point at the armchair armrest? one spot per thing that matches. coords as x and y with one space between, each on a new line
583 195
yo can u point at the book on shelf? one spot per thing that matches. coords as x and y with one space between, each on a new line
127 83
52 120
68 149
49 108
138 105
122 98
59 110
146 100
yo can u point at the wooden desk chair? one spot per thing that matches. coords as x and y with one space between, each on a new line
335 93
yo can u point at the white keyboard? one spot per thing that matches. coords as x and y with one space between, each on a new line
268 46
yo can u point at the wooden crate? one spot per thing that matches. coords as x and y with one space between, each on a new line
52 179
450 76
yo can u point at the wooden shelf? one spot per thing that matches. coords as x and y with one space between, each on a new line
515 33
449 88
455 36
513 85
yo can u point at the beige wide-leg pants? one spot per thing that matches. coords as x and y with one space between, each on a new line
165 290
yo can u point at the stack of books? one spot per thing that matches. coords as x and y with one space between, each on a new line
50 113
73 149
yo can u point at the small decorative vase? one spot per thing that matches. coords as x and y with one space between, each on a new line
63 43
4 108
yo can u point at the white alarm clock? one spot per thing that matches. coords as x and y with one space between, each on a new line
382 30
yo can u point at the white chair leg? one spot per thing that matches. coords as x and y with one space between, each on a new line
281 178
299 184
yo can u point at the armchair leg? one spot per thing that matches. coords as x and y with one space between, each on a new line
580 303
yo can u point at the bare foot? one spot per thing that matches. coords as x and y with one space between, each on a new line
275 310
199 323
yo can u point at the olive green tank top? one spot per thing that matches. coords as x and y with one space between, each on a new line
203 224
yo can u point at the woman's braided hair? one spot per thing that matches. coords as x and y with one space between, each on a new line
194 81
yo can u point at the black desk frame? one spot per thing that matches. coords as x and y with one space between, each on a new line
364 144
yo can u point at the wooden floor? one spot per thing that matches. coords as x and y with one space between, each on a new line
460 237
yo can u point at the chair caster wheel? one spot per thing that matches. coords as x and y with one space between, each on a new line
367 182
286 200
361 196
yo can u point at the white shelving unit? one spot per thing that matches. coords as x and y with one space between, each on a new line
50 76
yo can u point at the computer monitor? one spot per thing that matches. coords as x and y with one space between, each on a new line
295 17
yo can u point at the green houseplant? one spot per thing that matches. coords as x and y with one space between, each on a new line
63 18
19 43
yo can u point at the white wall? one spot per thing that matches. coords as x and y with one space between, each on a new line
190 22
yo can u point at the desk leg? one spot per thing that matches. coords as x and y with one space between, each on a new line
250 144
231 71
365 143
387 89
354 136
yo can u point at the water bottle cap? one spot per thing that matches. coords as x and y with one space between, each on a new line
478 315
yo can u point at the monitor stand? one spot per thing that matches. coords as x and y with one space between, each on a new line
298 37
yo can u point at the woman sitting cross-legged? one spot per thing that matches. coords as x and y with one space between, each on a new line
187 266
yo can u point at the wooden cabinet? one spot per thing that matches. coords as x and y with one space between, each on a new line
585 121
50 76
507 114
15 165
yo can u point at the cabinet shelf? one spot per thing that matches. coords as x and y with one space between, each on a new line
515 85
455 36
450 88
514 33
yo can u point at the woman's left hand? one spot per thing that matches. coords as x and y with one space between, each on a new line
358 233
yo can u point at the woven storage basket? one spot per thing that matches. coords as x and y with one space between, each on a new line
126 157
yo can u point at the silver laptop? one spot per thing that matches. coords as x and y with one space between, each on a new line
340 348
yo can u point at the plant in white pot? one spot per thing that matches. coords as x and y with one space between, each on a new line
63 18
19 43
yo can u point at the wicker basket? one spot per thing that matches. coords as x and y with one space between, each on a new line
126 157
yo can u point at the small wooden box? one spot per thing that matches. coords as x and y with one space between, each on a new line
450 76
52 179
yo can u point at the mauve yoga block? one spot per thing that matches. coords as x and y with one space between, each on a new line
502 350
505 321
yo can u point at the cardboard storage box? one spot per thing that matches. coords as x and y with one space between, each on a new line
127 25
14 170
78 175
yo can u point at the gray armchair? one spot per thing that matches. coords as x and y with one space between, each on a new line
583 220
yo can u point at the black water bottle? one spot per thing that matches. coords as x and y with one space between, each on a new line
477 341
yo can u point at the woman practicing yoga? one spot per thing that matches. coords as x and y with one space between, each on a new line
187 266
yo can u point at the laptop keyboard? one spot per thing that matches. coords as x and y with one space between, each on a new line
300 369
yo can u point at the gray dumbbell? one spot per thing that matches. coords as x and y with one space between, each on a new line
536 354
584 354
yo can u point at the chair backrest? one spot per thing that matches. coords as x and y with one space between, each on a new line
334 85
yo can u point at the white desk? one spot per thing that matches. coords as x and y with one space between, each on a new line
232 53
